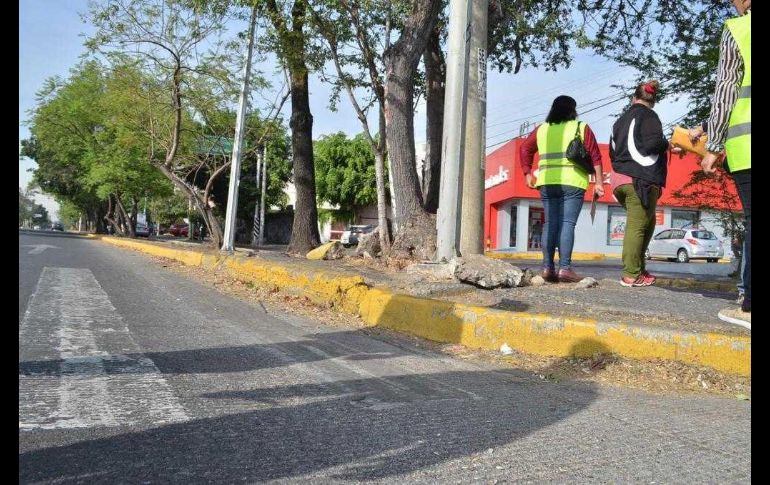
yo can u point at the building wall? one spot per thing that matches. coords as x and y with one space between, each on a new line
589 237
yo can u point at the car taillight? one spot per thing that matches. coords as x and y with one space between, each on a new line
692 241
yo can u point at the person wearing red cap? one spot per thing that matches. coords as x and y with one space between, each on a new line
638 151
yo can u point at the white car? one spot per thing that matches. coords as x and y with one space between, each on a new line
683 245
351 235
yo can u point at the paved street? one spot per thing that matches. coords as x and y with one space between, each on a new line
130 373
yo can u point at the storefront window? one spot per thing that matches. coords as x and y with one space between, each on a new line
684 218
536 219
512 235
616 226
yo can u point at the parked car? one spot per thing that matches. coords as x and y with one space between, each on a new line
179 230
57 226
142 230
352 233
685 244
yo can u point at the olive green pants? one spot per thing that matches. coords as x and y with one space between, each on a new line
640 225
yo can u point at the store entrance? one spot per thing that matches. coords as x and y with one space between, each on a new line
536 220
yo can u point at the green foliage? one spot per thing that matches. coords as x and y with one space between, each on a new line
26 207
345 171
85 148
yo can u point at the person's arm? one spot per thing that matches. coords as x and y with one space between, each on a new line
729 73
596 156
527 152
651 134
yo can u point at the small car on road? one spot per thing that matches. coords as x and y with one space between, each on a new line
684 244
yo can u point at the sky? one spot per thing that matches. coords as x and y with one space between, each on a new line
51 41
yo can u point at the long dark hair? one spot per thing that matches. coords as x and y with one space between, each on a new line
564 108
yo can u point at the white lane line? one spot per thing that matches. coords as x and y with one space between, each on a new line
80 367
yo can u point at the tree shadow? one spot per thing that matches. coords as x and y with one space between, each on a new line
218 360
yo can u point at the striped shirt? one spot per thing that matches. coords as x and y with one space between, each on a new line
729 78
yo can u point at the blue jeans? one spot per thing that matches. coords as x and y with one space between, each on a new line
741 286
562 204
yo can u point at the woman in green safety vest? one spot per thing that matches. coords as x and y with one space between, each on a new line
561 182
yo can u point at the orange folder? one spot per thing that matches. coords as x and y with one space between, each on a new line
681 138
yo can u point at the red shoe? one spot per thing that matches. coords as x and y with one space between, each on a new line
640 280
647 275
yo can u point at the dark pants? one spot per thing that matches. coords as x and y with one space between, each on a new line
743 183
561 204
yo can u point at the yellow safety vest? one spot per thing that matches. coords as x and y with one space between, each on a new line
738 142
553 166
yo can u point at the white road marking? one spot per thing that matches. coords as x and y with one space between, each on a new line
79 367
39 248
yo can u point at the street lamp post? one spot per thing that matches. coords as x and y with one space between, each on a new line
235 168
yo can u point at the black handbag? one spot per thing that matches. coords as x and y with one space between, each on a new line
577 153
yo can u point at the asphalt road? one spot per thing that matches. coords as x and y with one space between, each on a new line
130 373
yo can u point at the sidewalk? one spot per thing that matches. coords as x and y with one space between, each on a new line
555 319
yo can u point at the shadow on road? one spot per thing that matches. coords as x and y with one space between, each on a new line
368 428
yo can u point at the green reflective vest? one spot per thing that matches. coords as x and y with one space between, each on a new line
553 167
738 142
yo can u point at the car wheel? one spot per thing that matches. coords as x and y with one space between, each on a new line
682 256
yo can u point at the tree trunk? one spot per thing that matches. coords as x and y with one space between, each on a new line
110 216
304 231
415 237
435 75
128 227
379 172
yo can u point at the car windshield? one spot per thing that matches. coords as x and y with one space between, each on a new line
358 229
707 235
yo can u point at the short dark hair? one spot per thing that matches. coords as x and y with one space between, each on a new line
564 108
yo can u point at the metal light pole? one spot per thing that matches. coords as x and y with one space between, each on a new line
454 129
235 168
472 212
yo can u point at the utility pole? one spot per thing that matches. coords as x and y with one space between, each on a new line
262 198
255 228
472 220
190 227
235 160
454 129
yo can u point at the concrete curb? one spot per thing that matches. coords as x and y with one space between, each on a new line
474 326
539 255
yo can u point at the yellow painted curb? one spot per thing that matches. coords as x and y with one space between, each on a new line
473 326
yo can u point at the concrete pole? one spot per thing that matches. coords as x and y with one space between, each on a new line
235 167
454 129
472 220
262 197
256 227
